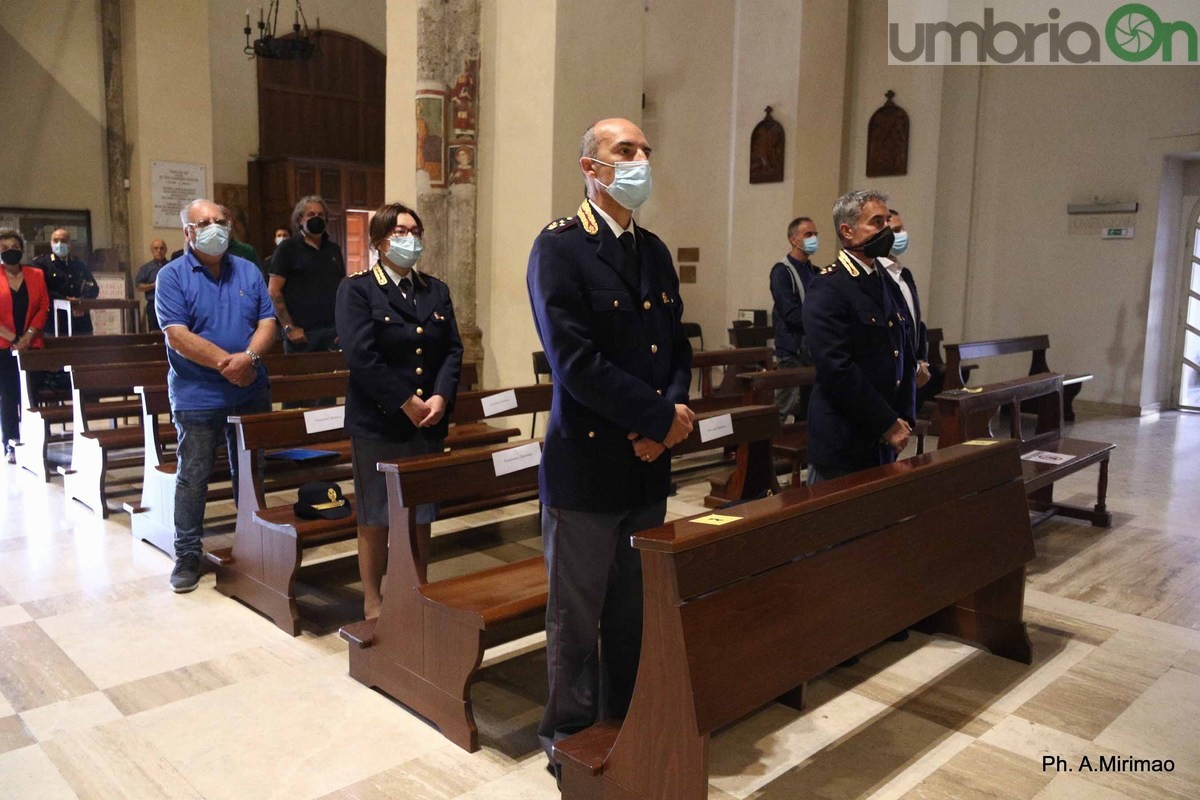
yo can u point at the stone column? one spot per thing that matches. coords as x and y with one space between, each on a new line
114 133
446 108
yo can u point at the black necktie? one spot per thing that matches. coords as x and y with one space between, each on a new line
406 288
632 262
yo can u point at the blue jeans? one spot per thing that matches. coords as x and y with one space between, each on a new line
200 434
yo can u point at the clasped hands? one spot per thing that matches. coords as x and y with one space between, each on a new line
238 369
649 450
425 413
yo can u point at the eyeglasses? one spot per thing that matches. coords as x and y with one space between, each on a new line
401 230
201 224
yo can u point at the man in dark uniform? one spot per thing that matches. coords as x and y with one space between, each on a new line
68 278
790 278
608 313
862 342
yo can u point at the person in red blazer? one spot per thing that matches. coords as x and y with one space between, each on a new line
24 304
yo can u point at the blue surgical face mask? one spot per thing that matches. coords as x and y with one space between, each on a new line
212 239
900 244
404 251
631 183
810 244
60 249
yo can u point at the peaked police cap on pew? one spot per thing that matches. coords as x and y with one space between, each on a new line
321 500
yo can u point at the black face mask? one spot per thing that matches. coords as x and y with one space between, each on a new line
878 245
316 226
11 257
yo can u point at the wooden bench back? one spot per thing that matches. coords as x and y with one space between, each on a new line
31 362
967 351
103 340
760 387
740 359
967 415
739 614
93 383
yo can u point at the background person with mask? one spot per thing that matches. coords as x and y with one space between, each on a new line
304 277
606 306
790 279
281 236
218 321
68 278
146 275
908 288
860 334
401 344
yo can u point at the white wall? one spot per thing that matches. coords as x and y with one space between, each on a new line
687 122
52 89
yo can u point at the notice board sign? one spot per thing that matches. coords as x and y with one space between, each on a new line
174 184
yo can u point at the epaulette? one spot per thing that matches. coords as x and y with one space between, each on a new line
360 273
826 270
562 224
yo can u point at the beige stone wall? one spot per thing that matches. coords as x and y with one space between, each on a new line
52 88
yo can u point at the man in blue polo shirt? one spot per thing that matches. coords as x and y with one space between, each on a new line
218 318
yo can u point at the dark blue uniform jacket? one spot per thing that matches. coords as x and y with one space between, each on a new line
619 359
394 352
862 343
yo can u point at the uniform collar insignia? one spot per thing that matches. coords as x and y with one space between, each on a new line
588 218
848 263
380 277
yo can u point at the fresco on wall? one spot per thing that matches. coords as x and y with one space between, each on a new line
431 135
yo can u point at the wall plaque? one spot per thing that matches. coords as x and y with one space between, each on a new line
887 140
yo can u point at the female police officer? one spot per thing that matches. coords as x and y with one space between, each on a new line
401 343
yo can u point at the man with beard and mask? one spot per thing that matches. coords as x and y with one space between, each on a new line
218 320
67 278
790 279
861 337
607 309
304 277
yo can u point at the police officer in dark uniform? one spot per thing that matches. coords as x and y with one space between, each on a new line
67 278
608 313
862 341
401 343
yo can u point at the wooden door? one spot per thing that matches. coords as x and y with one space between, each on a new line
358 256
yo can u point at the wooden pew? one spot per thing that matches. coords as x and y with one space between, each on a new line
103 340
426 647
299 377
792 441
95 387
967 415
261 566
1037 346
40 412
731 361
742 614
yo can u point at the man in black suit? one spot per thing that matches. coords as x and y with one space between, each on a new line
903 277
862 340
609 316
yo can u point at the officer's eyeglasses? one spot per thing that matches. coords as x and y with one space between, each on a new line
201 224
402 230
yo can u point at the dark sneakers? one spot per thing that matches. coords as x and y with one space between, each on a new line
186 575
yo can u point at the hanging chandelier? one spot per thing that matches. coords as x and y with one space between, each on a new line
301 45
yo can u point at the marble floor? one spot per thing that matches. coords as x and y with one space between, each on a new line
113 687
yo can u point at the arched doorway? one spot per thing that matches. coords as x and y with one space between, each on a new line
321 131
1189 366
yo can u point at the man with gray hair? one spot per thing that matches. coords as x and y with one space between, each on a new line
305 272
218 321
860 334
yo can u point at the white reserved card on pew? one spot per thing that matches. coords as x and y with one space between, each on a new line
716 427
1046 457
499 403
325 419
516 459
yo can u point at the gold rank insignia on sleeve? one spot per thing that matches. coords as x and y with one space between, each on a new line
846 261
380 278
588 218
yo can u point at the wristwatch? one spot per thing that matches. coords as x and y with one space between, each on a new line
255 358
287 329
